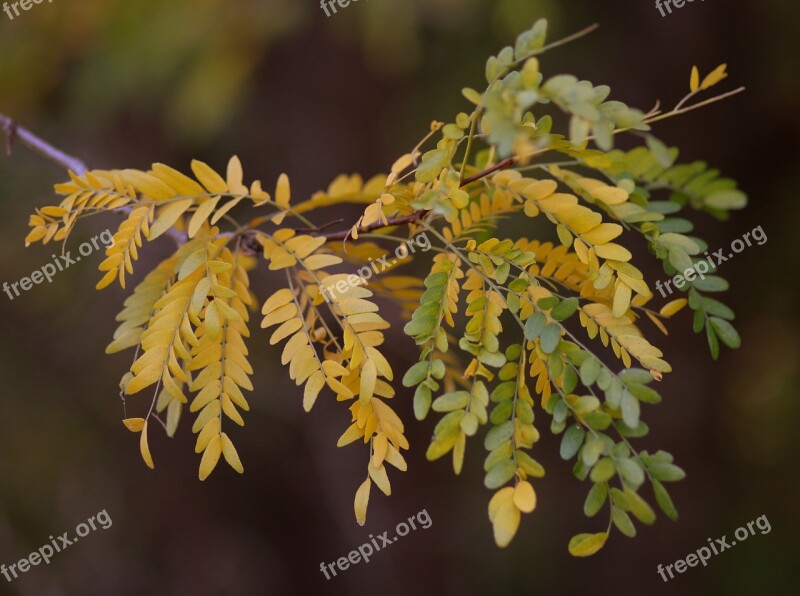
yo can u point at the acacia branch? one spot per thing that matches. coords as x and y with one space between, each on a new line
417 215
14 131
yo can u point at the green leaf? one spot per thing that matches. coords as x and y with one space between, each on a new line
569 380
595 499
432 163
416 374
630 471
666 472
603 470
679 259
565 309
529 465
644 393
585 545
640 508
503 391
505 451
727 334
572 441
712 283
630 409
726 199
550 338
713 342
598 420
699 320
499 474
717 309
589 371
635 375
547 303
498 434
451 401
623 522
592 450
660 151
534 325
501 412
472 95
664 501
422 402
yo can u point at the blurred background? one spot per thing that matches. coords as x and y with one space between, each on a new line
123 84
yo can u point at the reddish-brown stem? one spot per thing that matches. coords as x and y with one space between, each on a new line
508 161
397 221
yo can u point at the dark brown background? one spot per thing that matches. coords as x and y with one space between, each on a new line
123 84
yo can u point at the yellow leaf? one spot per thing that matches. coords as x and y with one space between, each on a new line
714 77
153 187
458 452
612 251
209 178
525 496
134 425
501 498
694 80
622 300
540 189
212 321
585 545
145 449
201 215
278 299
352 433
657 323
145 378
673 307
235 175
167 216
505 523
53 211
321 261
231 456
180 182
610 195
401 164
283 191
313 386
380 478
285 330
602 234
361 501
210 457
369 375
380 447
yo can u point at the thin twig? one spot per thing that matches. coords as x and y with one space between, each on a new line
417 215
508 161
14 131
701 104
